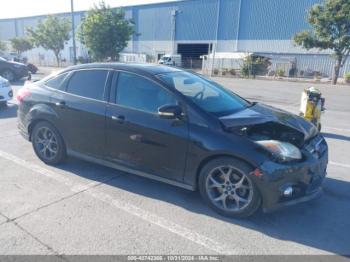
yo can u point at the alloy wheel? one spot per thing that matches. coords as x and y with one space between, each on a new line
46 143
229 188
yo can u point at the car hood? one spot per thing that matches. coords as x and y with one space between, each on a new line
260 114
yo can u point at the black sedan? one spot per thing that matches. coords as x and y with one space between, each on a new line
12 70
179 128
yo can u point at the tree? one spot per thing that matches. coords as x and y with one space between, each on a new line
51 34
21 44
255 65
105 32
3 46
330 24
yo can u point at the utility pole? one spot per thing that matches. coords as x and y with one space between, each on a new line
173 33
174 13
73 32
216 37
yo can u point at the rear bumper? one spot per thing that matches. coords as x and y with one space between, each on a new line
23 132
305 178
22 124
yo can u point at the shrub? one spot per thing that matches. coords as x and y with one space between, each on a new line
245 70
280 72
347 77
318 75
224 71
82 60
216 71
255 65
233 72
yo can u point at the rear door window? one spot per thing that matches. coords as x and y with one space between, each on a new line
88 83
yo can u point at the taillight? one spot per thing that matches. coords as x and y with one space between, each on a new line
22 93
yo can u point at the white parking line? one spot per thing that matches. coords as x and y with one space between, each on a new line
164 223
336 129
124 206
339 164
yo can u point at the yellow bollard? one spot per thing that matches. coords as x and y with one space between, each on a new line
311 106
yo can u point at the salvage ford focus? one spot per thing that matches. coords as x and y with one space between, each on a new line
176 127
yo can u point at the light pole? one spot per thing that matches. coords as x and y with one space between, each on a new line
73 32
214 48
174 13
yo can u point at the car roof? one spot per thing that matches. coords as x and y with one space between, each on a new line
149 69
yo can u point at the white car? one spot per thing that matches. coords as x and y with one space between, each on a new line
6 92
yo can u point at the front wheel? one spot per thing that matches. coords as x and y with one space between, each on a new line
225 186
48 143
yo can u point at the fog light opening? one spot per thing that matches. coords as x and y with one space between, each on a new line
288 191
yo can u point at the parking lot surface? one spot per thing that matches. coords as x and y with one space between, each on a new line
83 208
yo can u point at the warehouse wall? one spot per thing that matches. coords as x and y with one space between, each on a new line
243 25
269 26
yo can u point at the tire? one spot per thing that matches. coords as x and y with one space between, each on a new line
225 185
3 104
8 74
48 144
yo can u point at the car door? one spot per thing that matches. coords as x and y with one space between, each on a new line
136 136
81 109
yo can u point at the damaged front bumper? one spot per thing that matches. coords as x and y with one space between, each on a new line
301 180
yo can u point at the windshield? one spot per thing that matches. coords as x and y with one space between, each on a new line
208 95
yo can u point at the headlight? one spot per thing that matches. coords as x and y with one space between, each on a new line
282 150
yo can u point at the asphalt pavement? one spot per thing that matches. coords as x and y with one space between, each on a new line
83 208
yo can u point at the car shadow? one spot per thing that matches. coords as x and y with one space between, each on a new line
323 223
8 111
335 136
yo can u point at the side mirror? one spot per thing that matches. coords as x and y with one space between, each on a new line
170 111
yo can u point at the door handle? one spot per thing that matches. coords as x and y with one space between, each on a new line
137 138
60 104
119 119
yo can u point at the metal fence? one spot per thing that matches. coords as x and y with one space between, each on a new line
280 65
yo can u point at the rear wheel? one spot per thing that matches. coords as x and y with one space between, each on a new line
226 187
48 143
8 74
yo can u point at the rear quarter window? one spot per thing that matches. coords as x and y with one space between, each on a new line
57 81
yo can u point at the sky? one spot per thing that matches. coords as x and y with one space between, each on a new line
20 8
